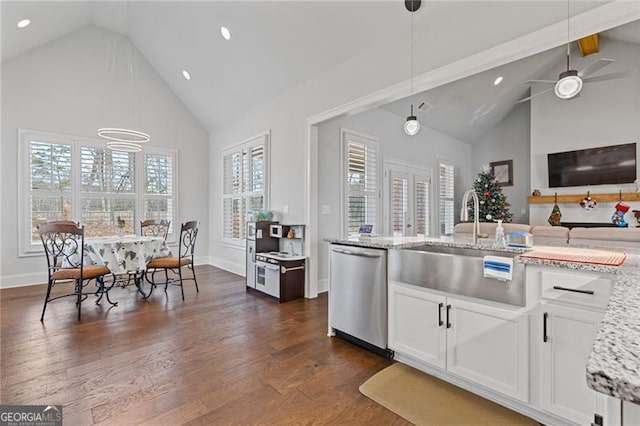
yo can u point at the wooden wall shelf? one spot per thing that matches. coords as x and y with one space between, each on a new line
576 198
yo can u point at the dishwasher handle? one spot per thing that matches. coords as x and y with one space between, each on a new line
356 253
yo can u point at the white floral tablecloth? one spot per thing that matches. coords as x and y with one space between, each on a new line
126 254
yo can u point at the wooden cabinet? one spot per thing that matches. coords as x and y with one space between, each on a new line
292 279
484 344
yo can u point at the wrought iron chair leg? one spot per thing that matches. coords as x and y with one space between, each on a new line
46 299
181 286
193 270
79 298
166 277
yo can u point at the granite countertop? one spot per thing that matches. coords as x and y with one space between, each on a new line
613 367
409 242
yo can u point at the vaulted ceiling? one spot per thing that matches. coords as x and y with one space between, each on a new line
275 46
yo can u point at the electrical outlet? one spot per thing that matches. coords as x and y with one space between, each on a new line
285 209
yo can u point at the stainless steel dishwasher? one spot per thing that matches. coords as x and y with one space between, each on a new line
358 295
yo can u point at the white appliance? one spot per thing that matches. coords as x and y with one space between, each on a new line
267 276
358 295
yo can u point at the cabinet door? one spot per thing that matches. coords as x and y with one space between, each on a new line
563 357
417 324
490 346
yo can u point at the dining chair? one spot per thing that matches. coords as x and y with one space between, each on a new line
186 250
63 243
155 228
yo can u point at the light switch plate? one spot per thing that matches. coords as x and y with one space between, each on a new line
285 209
326 209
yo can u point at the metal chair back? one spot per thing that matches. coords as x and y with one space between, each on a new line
63 243
155 228
188 234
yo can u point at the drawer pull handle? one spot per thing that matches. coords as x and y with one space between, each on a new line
285 270
545 338
575 290
448 322
440 322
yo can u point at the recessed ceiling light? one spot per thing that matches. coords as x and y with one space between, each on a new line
186 75
497 81
226 34
24 23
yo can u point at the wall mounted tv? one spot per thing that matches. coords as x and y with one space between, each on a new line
594 166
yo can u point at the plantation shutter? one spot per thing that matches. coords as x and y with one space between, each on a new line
422 190
361 182
244 186
446 189
399 204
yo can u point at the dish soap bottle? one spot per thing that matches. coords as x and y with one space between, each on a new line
499 241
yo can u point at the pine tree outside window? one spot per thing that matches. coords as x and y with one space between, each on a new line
245 183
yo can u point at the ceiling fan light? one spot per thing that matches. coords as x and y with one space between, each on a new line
411 126
568 85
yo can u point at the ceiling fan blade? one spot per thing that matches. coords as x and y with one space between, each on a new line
612 76
594 67
540 81
534 95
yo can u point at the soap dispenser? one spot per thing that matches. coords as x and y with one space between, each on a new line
499 241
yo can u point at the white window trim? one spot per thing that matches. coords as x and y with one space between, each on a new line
343 173
29 249
448 162
241 243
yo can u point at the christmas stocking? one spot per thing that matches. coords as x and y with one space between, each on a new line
618 215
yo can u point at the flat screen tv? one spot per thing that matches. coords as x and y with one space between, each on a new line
594 166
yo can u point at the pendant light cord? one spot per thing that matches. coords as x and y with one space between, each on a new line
412 12
568 38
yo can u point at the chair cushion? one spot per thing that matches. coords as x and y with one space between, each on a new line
88 271
168 262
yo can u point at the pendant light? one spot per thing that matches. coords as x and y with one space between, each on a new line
569 83
118 138
412 126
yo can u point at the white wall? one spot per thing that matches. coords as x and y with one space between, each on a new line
62 87
606 113
421 150
509 140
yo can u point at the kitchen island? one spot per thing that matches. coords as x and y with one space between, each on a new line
610 333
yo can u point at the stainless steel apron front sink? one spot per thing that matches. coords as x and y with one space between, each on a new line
458 271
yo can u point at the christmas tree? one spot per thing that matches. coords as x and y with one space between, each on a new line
493 203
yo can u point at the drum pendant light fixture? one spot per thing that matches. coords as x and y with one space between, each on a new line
118 138
569 83
412 126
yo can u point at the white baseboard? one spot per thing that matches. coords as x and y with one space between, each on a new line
236 268
323 285
23 280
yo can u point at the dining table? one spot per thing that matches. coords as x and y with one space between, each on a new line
126 256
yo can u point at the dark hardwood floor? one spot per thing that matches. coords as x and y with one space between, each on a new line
223 356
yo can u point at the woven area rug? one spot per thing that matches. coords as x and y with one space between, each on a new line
425 400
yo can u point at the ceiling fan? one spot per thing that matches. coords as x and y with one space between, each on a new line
569 83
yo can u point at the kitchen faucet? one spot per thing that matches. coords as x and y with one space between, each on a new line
464 212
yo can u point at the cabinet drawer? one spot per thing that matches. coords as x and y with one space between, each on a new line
577 288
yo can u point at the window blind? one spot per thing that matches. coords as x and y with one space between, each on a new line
399 204
361 184
446 198
422 191
159 187
244 186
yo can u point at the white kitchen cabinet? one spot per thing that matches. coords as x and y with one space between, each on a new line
416 320
567 337
481 343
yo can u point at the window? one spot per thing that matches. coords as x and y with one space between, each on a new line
70 178
361 195
446 190
422 188
245 184
408 199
